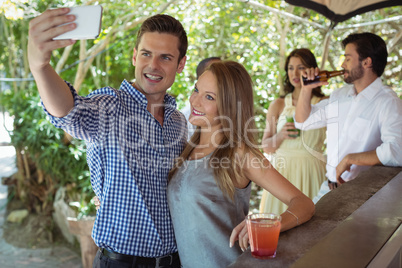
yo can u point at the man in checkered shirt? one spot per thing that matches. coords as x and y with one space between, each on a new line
133 135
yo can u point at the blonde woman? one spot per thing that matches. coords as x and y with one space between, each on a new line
209 187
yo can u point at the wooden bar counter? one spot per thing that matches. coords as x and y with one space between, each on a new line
356 225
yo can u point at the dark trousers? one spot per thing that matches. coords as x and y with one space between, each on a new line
102 261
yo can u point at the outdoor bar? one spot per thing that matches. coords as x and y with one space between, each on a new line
356 225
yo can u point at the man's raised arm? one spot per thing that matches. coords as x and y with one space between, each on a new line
55 93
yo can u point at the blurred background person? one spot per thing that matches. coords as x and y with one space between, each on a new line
298 156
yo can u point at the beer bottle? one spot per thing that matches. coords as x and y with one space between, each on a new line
323 76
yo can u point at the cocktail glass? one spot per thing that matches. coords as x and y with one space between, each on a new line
263 231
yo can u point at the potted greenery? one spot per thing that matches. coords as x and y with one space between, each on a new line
47 161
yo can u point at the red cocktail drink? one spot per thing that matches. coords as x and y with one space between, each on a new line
263 230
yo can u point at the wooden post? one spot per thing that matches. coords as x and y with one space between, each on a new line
327 41
83 229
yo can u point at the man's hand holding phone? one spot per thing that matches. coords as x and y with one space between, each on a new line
42 30
55 93
58 28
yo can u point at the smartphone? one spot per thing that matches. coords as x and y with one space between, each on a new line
88 20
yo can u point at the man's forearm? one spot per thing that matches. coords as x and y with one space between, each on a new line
369 158
303 107
54 92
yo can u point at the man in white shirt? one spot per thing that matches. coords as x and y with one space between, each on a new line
363 119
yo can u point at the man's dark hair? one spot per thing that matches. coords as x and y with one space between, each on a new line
163 23
203 65
369 45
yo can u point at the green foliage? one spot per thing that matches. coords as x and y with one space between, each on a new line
36 136
84 208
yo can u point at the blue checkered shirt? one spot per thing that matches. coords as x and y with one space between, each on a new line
129 155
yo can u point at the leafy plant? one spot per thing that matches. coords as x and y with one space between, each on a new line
51 161
83 208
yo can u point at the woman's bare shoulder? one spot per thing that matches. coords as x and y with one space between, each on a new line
276 106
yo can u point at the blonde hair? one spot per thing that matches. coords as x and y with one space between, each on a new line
236 114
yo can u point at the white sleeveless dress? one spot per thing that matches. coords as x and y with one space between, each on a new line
301 160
